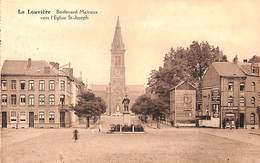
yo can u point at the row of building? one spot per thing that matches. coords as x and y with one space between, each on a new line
229 95
38 94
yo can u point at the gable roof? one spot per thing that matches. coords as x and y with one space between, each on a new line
228 69
21 67
184 85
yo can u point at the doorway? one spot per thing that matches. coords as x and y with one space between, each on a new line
241 120
62 119
31 119
4 119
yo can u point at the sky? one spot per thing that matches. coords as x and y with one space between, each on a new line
149 29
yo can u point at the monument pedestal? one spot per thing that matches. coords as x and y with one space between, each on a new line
126 118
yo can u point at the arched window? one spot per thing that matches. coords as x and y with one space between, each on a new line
230 85
252 118
230 101
242 101
253 86
253 101
242 86
52 117
41 99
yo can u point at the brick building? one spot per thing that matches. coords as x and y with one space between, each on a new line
37 94
231 94
183 104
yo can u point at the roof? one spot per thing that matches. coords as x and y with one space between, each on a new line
228 69
28 67
78 80
184 85
117 40
246 67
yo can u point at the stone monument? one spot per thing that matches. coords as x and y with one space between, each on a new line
126 113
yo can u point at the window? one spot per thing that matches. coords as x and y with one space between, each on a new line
41 100
52 100
252 118
41 85
41 117
31 100
242 101
22 85
230 86
13 116
4 99
22 116
253 101
62 85
255 70
242 86
22 100
4 85
13 84
31 85
253 86
62 99
13 99
51 117
117 60
230 101
51 85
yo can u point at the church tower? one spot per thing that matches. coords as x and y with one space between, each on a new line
117 72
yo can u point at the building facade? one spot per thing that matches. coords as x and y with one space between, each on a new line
231 94
37 94
115 91
183 104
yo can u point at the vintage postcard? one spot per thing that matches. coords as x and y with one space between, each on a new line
134 81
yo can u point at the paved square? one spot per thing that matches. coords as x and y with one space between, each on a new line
157 145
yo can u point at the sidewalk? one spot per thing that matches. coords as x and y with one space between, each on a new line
250 136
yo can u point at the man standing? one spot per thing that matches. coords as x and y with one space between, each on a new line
126 102
75 135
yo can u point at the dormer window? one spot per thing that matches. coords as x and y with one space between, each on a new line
255 70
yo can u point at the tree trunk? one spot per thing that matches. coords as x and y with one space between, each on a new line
87 123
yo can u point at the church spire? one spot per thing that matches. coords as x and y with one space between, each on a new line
118 41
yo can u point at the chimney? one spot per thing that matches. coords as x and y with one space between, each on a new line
245 60
235 60
29 63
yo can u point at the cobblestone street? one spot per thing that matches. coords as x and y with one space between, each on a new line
156 145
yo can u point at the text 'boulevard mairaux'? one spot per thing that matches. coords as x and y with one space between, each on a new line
57 15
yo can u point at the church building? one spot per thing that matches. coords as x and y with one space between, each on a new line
115 91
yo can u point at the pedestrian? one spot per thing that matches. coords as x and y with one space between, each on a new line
237 123
230 124
75 135
99 127
224 123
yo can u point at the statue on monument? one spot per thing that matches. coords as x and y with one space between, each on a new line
126 102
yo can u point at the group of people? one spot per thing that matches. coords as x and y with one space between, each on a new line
231 123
